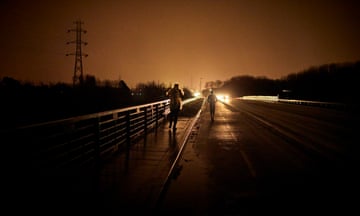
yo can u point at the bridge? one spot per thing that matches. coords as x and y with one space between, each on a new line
256 157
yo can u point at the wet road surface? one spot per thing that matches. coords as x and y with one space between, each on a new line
236 166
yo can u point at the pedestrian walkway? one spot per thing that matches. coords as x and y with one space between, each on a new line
134 180
127 181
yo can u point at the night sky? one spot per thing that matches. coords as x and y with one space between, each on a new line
176 41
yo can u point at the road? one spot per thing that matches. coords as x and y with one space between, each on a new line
262 157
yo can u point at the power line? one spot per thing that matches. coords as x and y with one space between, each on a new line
78 68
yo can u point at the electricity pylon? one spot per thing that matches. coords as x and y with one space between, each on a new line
78 68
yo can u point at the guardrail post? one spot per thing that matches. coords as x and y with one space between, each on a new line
128 130
145 120
128 140
97 143
156 115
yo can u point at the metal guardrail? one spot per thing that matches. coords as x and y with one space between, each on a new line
314 103
84 140
293 101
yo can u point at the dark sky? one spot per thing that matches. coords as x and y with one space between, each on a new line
176 41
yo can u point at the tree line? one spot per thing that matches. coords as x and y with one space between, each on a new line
335 82
26 103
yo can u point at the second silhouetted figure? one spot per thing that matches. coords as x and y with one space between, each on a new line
211 99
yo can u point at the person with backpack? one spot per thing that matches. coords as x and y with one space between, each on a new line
175 95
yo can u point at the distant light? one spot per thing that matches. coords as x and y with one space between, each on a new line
196 94
222 97
261 98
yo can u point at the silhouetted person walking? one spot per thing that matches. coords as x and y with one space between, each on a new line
211 99
175 94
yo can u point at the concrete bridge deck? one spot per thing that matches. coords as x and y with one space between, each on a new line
232 166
